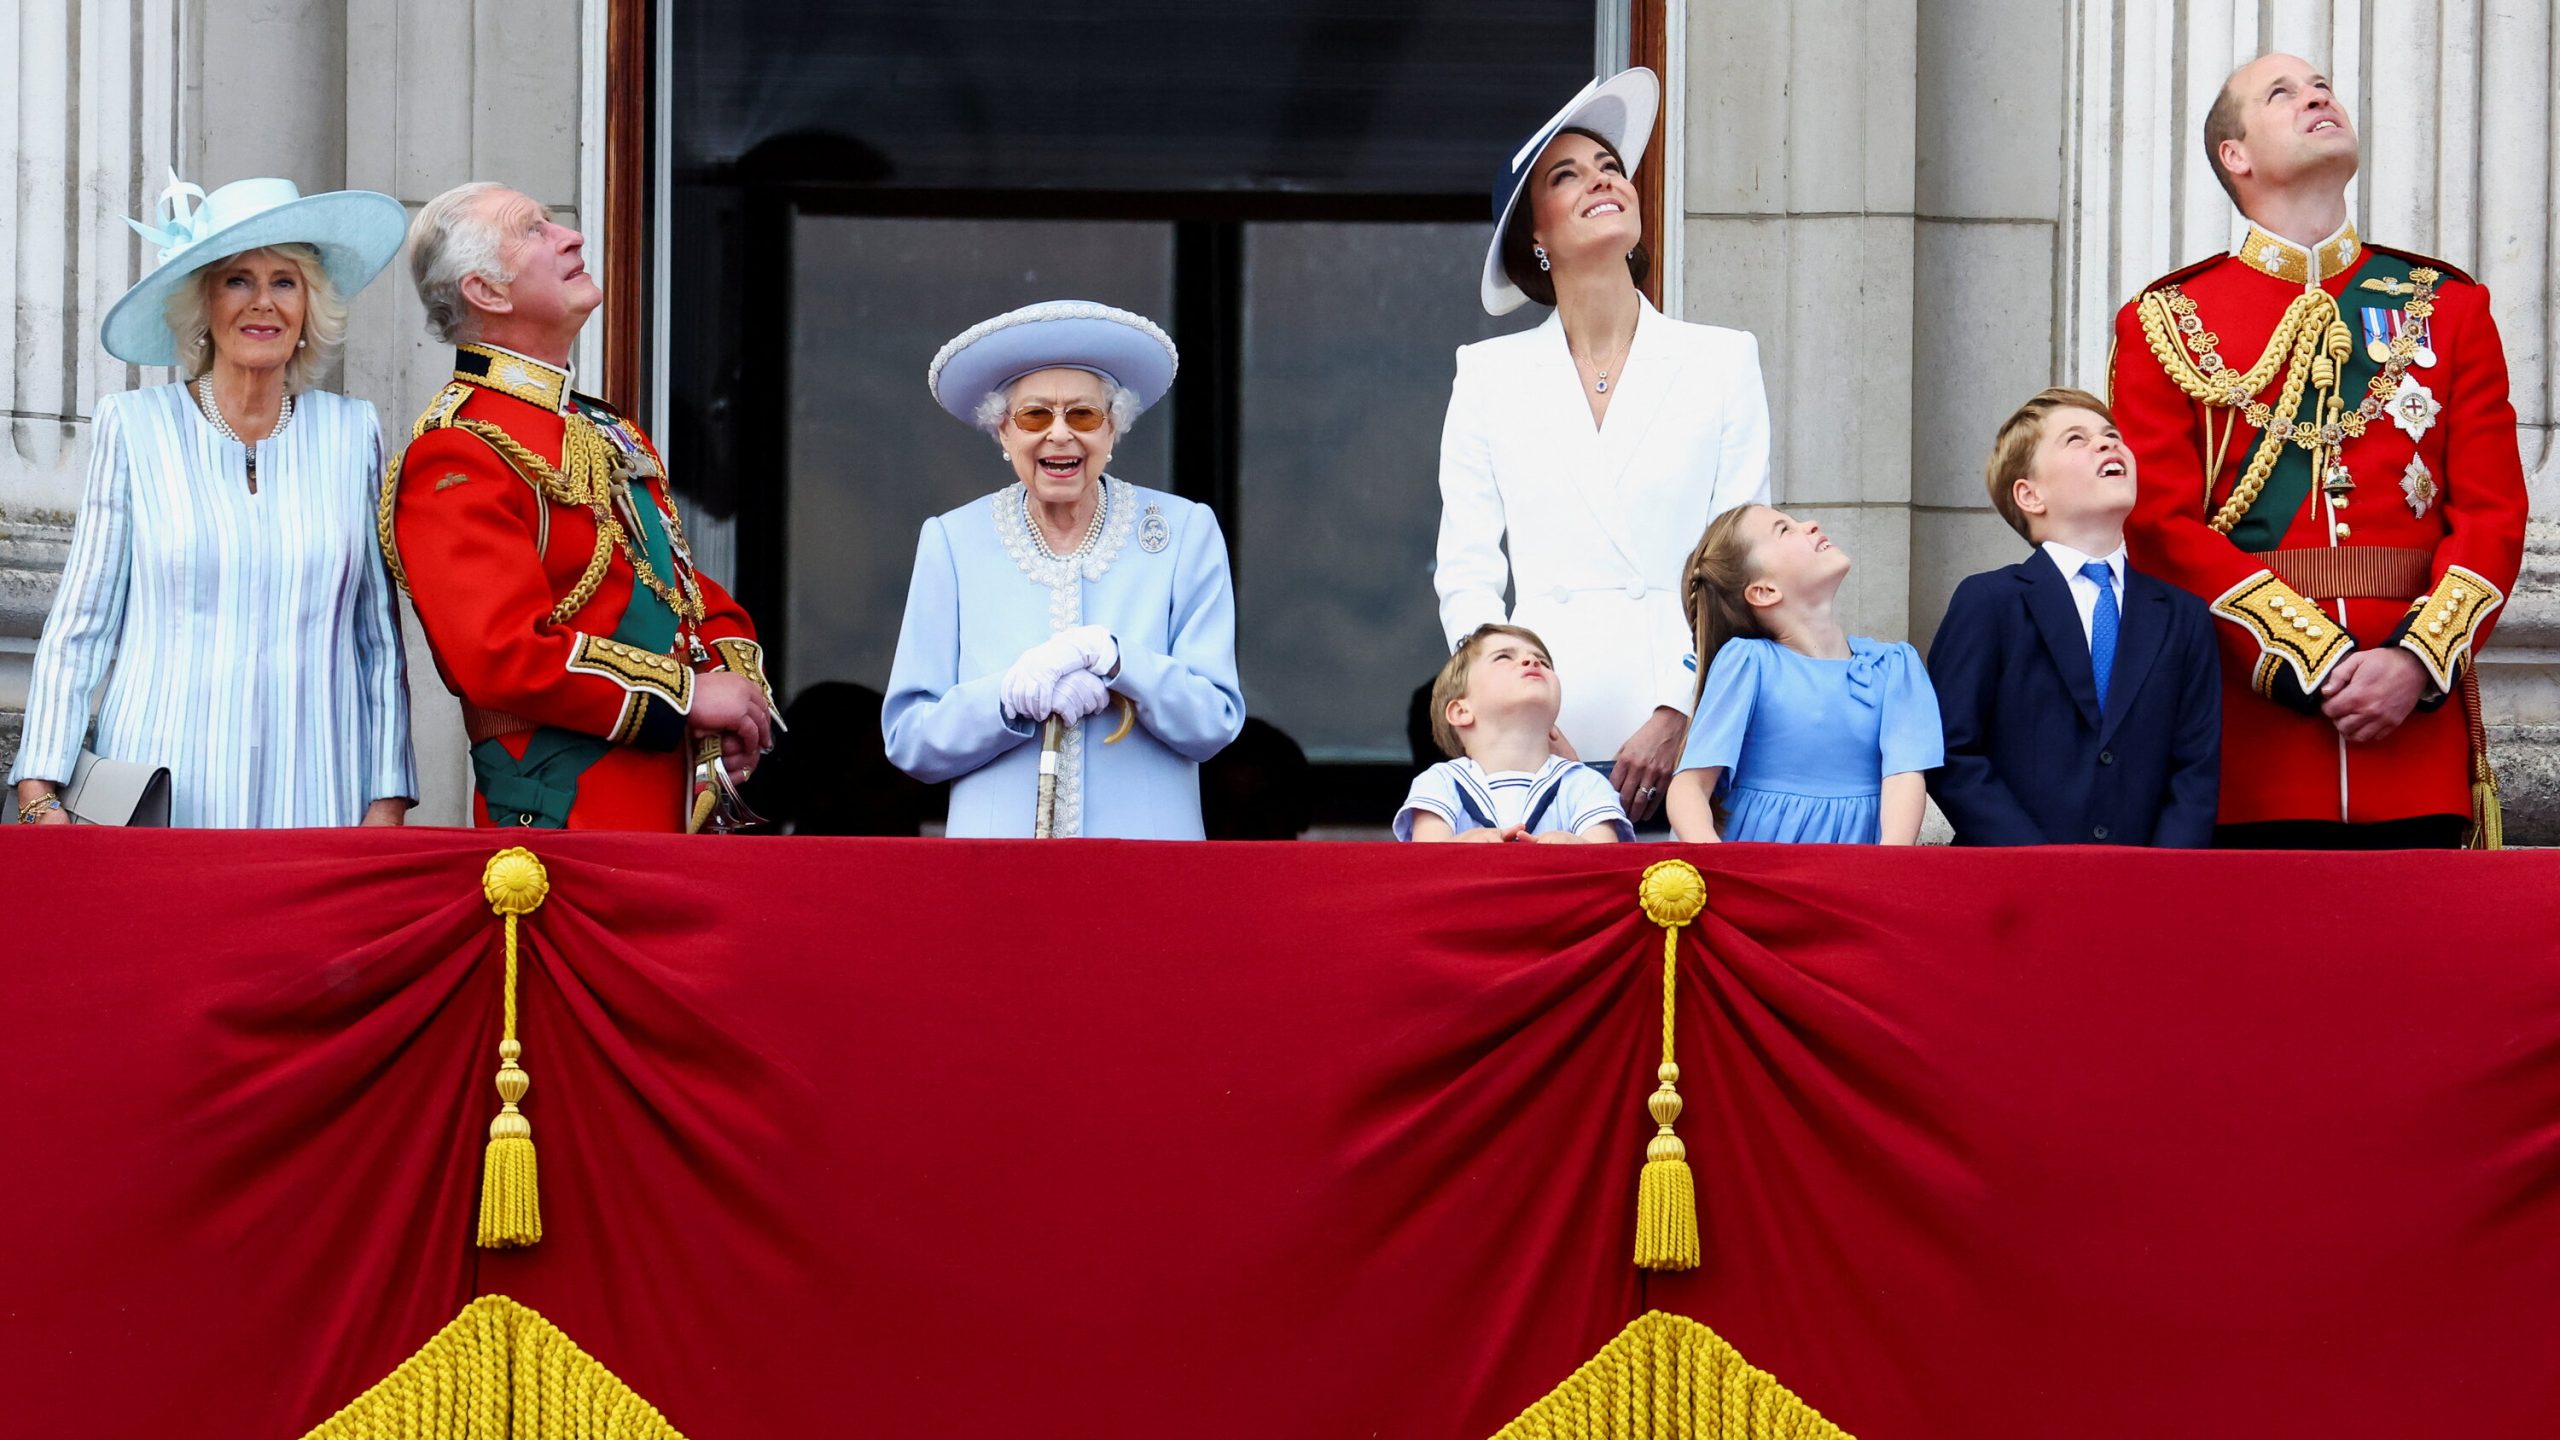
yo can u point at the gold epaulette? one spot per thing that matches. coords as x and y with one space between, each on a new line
434 417
2292 633
2444 623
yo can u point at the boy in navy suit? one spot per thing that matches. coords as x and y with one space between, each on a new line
2081 697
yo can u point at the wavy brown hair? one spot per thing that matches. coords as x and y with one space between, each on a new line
1711 587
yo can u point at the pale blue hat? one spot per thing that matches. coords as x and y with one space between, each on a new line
1128 350
1618 109
356 232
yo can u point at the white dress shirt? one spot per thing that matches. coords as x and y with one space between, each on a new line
2084 591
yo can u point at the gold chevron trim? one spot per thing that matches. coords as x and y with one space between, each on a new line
499 1372
1667 1377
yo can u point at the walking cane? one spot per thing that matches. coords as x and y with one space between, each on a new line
1053 733
1044 821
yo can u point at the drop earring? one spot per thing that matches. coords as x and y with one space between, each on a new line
1541 252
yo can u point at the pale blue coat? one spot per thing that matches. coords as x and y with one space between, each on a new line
983 592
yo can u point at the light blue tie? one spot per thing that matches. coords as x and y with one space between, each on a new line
2102 628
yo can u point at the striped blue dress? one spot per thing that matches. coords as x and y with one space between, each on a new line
253 639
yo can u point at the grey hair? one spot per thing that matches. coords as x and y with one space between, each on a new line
996 407
324 317
449 242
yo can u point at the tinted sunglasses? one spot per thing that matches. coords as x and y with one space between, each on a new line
1083 419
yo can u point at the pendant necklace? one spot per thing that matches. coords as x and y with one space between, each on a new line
222 427
1600 386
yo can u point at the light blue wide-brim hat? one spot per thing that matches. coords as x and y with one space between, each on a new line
356 232
1620 110
1129 350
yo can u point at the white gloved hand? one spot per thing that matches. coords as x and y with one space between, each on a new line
1093 646
1080 693
1030 687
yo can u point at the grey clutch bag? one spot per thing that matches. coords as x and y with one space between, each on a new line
113 792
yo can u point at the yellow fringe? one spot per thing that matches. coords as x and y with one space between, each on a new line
510 1201
499 1372
1667 1377
1672 894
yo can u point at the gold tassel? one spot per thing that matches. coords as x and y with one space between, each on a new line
2488 816
510 1202
1672 894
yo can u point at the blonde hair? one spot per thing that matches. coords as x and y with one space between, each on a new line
1451 683
324 317
2013 450
1711 587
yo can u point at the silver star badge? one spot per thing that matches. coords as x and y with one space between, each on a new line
2419 486
2413 407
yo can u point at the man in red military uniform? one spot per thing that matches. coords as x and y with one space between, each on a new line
533 530
2329 459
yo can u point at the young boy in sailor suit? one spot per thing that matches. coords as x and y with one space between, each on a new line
1493 710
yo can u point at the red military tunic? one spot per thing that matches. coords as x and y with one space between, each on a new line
2409 533
489 557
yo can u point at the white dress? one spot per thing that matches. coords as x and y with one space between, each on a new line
253 640
1589 527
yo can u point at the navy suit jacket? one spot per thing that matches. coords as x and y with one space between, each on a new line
2030 760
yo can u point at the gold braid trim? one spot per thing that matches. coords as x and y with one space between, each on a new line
587 477
1669 1376
2310 341
499 1370
745 657
435 417
2289 629
2443 623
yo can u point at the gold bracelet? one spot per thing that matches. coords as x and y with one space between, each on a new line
29 814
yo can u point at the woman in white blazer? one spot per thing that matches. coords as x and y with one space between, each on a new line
1594 448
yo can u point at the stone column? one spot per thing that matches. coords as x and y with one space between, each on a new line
99 111
439 92
1799 228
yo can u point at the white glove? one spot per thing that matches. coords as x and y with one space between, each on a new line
1093 647
1030 688
1080 693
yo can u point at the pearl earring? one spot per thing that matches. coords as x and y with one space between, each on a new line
1541 252
301 344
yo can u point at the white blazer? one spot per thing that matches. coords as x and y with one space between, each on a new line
1598 522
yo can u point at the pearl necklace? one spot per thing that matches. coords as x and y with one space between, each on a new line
222 427
1092 529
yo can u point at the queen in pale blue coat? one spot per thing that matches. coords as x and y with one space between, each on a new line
1069 592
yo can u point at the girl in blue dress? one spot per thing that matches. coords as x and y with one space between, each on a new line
1802 731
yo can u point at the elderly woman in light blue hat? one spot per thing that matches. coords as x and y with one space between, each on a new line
223 576
1069 593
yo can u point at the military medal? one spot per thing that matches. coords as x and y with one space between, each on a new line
1153 533
2420 486
2379 327
2413 407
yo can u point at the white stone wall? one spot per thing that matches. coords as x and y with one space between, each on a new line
407 97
